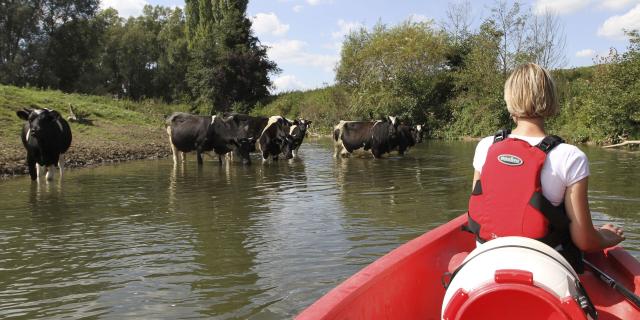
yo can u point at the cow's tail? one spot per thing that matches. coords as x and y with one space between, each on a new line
336 134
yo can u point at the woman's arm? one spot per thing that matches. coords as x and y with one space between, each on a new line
583 234
476 177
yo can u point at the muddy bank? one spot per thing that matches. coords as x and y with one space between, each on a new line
87 151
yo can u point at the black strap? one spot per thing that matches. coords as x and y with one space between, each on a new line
501 135
549 142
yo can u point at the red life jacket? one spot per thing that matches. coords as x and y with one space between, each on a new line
508 200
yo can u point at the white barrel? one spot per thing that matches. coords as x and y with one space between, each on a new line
550 270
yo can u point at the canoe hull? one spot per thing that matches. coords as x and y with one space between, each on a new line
406 283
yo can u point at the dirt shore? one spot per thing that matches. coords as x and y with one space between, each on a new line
85 152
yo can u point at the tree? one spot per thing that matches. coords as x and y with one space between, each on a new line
511 23
547 41
229 68
458 22
395 71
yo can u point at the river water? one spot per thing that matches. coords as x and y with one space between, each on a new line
146 240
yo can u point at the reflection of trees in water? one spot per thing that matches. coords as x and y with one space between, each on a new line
427 186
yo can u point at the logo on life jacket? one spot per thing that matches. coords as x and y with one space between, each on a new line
510 160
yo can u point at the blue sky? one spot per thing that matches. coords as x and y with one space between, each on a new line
305 36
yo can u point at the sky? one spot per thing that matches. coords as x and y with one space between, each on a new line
305 36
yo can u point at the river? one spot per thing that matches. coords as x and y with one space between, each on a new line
146 240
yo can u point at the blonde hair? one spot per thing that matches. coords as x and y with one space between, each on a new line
530 92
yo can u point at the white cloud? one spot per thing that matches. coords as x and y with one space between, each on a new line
295 52
126 8
586 53
317 2
297 8
617 4
269 24
614 26
419 18
559 6
288 83
345 27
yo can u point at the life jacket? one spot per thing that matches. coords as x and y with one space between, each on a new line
508 199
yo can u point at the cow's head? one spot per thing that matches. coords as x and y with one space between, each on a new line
419 132
393 125
244 146
42 122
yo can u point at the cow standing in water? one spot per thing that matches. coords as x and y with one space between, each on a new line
378 136
189 132
275 139
298 131
46 136
408 136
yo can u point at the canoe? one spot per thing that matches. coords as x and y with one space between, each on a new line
407 282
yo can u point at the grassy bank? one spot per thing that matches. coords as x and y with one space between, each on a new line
117 129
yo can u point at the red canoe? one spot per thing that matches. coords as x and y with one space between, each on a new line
407 282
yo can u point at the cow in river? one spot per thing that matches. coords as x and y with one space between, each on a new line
221 135
298 131
46 136
378 136
255 124
408 136
275 139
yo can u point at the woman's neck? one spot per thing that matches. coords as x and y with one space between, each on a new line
530 127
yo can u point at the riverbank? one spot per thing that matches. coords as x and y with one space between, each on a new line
113 131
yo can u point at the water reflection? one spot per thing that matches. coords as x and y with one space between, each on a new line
150 240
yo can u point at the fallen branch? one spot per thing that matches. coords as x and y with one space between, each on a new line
623 144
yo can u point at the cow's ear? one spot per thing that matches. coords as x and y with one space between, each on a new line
296 122
23 114
309 122
55 114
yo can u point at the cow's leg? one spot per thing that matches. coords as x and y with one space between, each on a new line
199 157
275 158
33 167
41 170
183 156
61 165
294 152
220 159
265 156
50 172
174 152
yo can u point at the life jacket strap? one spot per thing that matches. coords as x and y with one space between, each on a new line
501 135
549 142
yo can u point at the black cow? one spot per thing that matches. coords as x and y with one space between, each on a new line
46 136
256 124
275 139
379 136
408 136
221 135
298 131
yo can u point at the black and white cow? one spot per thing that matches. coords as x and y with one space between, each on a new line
298 131
275 139
378 136
46 136
221 135
408 136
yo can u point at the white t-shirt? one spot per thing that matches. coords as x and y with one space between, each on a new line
564 166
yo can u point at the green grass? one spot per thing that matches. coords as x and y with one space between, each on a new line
105 112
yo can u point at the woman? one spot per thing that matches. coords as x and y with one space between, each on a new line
562 175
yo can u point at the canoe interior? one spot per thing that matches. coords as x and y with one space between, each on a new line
406 283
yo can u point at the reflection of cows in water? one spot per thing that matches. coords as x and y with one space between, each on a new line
275 139
298 131
46 136
408 136
377 136
189 132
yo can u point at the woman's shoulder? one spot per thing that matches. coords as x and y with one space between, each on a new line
569 150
